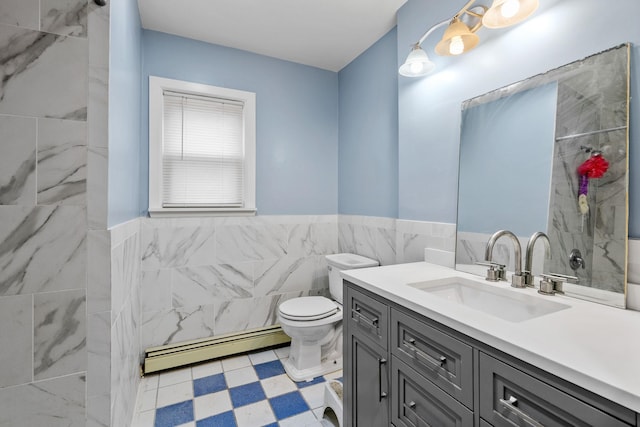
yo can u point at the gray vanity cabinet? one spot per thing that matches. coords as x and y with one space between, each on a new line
509 397
405 370
366 359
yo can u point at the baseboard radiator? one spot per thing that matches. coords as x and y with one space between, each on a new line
189 352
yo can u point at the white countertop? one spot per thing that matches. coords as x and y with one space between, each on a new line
594 346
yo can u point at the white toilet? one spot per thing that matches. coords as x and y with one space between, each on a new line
315 324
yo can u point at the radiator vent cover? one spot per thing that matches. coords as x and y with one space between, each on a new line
189 352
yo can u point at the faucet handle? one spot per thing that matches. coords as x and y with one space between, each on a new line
495 272
564 277
551 283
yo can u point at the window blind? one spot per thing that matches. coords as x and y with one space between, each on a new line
202 152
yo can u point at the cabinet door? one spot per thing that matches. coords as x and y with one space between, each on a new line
369 377
509 397
417 402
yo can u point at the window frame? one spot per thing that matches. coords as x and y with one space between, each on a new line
157 86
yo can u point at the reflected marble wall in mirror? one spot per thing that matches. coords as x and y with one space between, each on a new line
520 149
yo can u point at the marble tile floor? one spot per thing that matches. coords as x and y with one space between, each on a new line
250 390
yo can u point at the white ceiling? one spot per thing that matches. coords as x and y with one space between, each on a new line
327 34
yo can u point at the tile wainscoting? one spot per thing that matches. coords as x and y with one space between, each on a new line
395 241
209 276
114 349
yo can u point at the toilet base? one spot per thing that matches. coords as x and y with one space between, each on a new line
332 364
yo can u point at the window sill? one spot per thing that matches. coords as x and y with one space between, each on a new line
200 212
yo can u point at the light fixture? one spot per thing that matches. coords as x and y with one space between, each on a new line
460 37
504 13
417 63
457 39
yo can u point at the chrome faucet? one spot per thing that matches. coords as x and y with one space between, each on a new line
528 263
517 280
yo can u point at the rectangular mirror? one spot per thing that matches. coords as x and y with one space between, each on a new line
520 150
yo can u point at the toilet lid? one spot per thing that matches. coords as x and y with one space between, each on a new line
308 308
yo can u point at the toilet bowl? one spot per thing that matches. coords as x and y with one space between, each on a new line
316 339
315 324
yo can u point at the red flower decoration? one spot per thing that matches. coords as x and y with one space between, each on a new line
594 167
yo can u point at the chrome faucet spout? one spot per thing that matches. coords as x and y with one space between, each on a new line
488 253
528 263
517 278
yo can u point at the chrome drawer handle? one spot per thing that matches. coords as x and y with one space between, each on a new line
510 406
423 357
361 318
410 409
381 394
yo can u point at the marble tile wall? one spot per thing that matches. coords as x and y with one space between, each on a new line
99 314
372 237
44 58
433 242
114 350
209 276
125 354
392 241
599 235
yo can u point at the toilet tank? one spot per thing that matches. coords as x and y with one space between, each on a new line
339 262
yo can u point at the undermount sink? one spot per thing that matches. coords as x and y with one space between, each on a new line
502 303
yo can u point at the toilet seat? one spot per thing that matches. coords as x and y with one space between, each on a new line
308 308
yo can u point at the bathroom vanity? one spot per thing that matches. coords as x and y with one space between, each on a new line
427 345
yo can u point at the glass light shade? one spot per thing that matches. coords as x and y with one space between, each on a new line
504 13
457 39
417 63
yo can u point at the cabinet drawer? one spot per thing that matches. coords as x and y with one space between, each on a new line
367 316
509 397
442 359
417 402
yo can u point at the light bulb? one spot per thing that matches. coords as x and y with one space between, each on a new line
416 67
457 45
510 8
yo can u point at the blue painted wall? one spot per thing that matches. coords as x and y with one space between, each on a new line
368 132
429 108
297 119
501 139
124 112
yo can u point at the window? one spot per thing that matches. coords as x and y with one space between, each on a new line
201 149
